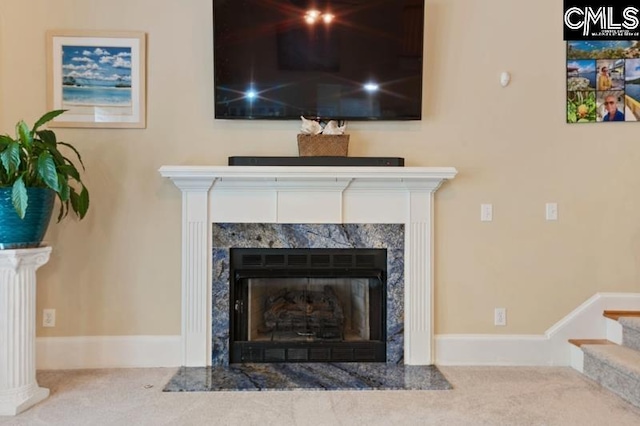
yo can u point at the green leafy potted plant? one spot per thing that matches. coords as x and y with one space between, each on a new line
33 172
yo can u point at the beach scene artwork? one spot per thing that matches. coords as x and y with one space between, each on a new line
98 77
96 80
603 81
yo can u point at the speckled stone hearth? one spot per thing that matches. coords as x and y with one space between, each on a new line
308 376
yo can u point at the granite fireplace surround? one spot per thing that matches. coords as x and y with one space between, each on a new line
303 207
303 236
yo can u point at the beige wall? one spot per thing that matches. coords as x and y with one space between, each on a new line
118 271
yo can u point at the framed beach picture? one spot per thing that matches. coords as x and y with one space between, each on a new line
98 77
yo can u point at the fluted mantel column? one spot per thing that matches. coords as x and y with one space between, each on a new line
19 389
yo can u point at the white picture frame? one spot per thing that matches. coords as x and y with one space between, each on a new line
98 77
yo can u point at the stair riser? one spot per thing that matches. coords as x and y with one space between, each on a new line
623 385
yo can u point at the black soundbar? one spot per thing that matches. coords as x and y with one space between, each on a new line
318 161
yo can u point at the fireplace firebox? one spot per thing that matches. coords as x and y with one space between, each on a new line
308 305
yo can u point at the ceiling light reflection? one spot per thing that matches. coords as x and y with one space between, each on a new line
371 87
312 16
327 18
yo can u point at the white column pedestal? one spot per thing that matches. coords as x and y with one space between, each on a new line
19 389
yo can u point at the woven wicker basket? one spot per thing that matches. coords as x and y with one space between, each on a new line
323 145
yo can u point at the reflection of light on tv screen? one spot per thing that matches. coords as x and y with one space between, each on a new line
371 87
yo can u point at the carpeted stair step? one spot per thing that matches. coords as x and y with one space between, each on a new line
630 332
615 367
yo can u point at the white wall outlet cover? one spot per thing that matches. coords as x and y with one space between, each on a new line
551 211
48 317
505 78
486 212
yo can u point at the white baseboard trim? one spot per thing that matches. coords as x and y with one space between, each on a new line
67 353
577 358
551 348
614 331
481 349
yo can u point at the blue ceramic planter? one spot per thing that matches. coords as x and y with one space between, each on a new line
18 233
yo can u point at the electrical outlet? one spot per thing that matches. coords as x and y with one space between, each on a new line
500 316
486 212
551 211
49 318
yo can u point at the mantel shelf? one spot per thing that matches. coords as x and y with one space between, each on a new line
307 172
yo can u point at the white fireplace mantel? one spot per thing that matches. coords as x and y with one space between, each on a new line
274 194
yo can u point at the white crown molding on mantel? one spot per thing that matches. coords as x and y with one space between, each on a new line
306 194
309 178
204 173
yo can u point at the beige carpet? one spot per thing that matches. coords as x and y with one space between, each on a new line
481 396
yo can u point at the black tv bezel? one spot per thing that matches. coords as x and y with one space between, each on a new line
312 116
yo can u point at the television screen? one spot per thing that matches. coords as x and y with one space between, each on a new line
343 59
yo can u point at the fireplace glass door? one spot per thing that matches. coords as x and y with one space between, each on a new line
313 305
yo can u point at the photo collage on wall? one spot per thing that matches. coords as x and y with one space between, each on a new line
603 81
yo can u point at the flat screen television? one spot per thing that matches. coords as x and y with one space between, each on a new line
345 60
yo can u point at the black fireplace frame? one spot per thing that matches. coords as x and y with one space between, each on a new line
368 263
